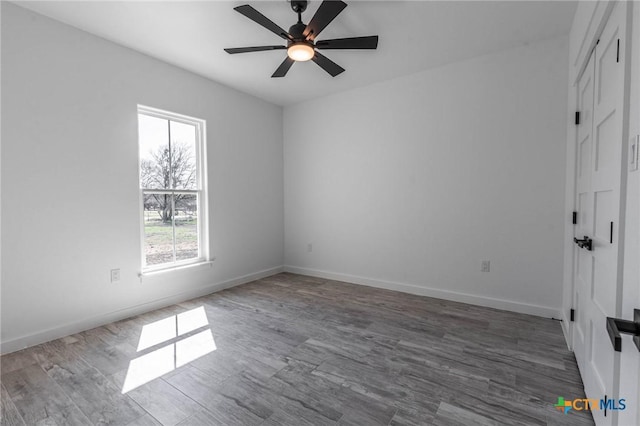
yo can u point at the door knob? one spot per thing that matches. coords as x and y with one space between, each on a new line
584 243
615 326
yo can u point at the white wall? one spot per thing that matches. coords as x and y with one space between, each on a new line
70 204
409 184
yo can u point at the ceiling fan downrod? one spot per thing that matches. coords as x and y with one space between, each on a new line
299 6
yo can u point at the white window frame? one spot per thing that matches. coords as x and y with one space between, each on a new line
201 192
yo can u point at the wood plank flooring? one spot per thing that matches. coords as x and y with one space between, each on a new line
296 350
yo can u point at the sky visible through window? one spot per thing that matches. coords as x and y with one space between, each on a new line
154 135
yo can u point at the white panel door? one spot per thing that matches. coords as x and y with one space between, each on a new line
583 202
598 196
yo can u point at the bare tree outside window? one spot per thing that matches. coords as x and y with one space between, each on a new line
173 168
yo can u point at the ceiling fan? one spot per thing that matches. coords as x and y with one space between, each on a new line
301 38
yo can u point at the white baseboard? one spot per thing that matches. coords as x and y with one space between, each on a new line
99 320
507 305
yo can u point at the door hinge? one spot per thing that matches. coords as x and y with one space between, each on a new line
574 219
572 315
611 233
618 52
577 118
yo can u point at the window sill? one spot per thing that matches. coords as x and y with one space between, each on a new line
161 271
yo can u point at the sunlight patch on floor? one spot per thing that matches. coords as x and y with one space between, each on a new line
176 352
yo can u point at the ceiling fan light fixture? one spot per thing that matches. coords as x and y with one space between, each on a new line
300 51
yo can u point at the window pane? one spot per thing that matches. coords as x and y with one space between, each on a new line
183 153
158 229
154 152
186 220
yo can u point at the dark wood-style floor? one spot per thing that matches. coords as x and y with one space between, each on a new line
295 350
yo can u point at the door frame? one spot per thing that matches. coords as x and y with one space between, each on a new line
630 357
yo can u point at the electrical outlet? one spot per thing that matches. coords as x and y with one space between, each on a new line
115 275
309 248
485 266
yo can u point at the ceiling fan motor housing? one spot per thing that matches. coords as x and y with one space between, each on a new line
297 30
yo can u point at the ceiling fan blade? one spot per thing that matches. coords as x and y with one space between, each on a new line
253 49
283 68
370 42
326 13
259 18
327 64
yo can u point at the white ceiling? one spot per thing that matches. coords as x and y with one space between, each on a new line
414 35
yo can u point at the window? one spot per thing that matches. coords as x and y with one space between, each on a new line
172 177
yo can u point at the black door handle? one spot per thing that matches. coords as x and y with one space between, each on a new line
615 326
585 243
